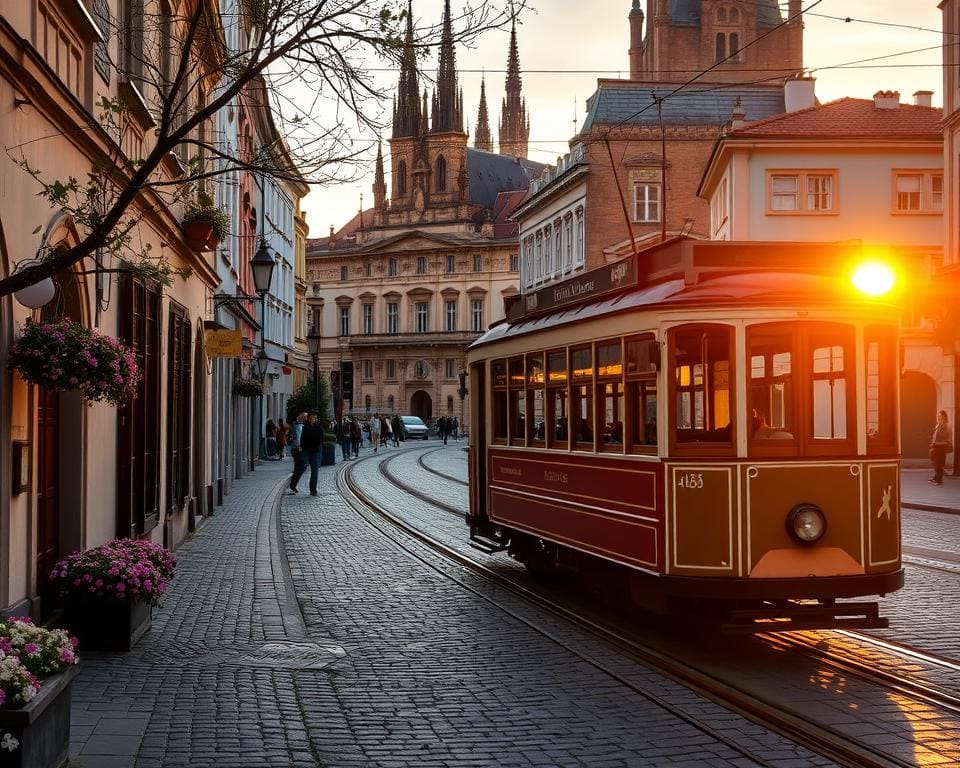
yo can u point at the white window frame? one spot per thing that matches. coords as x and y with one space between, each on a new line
421 317
647 202
393 317
476 315
344 326
450 315
368 319
805 201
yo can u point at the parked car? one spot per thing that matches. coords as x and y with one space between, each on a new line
413 426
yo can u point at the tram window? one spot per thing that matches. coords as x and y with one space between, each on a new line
535 400
517 401
881 350
557 412
581 397
610 415
771 388
702 385
642 405
829 390
499 400
641 355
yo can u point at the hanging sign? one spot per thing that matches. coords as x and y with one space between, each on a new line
223 343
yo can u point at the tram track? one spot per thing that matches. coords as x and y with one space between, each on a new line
818 737
435 471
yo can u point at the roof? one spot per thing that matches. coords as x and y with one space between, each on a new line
506 204
687 13
632 102
347 234
850 117
491 174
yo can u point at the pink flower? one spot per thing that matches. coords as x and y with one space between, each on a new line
32 649
66 655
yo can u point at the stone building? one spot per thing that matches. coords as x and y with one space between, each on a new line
405 287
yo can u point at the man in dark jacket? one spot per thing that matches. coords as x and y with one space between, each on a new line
397 426
311 443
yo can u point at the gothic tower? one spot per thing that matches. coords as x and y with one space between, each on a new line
482 138
407 121
514 123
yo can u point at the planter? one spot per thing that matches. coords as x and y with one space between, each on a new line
42 727
198 235
328 455
106 625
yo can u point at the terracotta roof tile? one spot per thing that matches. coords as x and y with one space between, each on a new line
850 117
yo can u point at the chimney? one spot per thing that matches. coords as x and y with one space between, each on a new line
799 93
739 118
636 41
886 100
923 99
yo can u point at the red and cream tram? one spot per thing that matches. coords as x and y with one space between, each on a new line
706 424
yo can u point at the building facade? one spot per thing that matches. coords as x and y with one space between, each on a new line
405 287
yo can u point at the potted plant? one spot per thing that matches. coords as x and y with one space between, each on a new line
328 451
37 667
65 355
205 225
247 388
109 591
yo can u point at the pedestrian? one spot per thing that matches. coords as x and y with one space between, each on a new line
356 437
443 427
281 437
343 437
311 442
386 432
375 432
456 429
271 430
299 458
396 426
940 445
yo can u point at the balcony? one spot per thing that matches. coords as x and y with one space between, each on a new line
434 339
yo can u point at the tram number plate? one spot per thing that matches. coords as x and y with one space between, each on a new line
691 480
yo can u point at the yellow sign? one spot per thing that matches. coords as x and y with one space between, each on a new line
223 343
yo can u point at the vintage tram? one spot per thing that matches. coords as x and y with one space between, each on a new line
710 426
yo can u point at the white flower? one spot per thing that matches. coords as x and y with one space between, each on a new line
9 743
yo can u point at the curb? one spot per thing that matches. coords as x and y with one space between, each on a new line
930 507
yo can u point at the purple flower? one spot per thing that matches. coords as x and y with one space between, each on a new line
32 649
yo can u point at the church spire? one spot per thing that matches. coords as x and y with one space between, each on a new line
447 115
514 125
483 139
406 120
379 184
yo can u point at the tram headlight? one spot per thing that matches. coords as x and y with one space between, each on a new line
806 523
873 278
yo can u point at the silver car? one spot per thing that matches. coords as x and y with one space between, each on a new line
413 426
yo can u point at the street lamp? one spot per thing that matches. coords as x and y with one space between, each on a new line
262 266
313 344
463 392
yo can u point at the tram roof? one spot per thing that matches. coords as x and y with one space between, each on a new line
671 276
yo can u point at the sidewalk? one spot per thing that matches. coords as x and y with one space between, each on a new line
917 493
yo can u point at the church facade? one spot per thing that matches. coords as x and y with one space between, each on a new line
399 292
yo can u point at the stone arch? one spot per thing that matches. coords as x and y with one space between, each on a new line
421 405
918 412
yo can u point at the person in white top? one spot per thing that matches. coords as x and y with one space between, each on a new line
375 431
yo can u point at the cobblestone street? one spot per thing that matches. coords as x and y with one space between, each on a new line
295 634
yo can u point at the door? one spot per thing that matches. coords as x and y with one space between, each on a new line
48 492
421 405
918 414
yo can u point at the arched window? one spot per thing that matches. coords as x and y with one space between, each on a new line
390 402
734 46
440 175
734 16
366 402
402 177
449 403
722 15
721 46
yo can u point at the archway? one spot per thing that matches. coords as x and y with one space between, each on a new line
421 405
918 413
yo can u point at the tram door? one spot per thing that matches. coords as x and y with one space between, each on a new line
478 439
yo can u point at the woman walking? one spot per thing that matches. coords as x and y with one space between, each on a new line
940 445
281 437
375 432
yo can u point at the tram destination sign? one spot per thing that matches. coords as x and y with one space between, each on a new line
609 278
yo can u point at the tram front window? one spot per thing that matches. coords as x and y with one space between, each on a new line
829 393
701 379
771 385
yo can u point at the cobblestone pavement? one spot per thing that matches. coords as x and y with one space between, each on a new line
296 635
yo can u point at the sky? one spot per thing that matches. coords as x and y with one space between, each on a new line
566 45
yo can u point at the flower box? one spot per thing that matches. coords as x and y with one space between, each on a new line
247 388
102 625
37 734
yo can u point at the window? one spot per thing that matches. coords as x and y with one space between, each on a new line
557 414
390 402
918 192
367 269
514 263
517 402
422 317
701 380
829 390
646 202
401 178
801 192
368 318
451 263
440 175
344 273
721 47
367 402
538 258
734 46
771 385
391 374
344 321
421 265
450 368
368 370
578 252
581 397
881 354
477 262
568 239
718 205
476 315
536 425
393 317
450 315
557 246
392 268
734 16
610 395
498 375
642 355
721 15
547 250
449 403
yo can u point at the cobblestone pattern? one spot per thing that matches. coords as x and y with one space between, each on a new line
462 670
177 699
